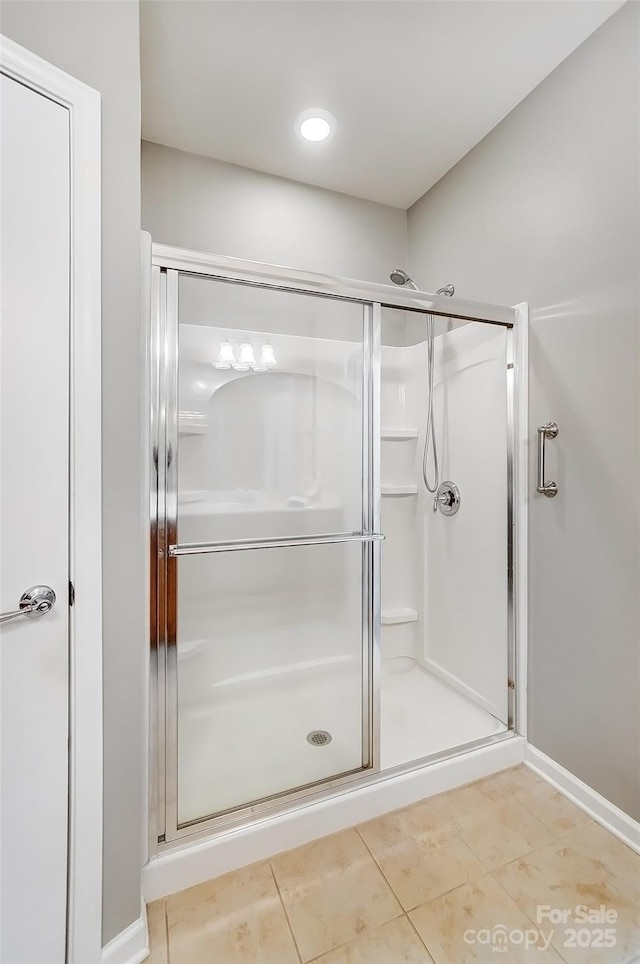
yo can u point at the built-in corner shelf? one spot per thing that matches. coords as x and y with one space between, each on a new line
192 423
398 490
398 434
393 617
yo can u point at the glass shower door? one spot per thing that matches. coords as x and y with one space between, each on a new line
447 609
270 522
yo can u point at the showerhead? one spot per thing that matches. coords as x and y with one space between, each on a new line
448 290
400 277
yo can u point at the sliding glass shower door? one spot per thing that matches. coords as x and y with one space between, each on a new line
268 519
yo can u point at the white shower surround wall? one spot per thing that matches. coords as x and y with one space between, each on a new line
449 571
466 631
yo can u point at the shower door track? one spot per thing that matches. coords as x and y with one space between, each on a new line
168 263
326 286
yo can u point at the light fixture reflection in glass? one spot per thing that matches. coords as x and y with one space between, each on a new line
267 357
246 358
226 358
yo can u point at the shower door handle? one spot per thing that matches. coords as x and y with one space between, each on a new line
195 548
548 431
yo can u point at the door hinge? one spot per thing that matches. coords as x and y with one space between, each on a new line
511 684
161 838
72 594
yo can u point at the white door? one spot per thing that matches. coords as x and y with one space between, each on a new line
34 531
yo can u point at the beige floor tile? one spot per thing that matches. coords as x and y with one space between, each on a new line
517 779
419 853
233 919
564 877
332 891
553 809
506 830
157 924
416 820
479 922
622 863
457 805
391 943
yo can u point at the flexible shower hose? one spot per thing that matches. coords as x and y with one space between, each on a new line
430 434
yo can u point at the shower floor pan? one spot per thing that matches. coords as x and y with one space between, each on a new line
254 744
421 715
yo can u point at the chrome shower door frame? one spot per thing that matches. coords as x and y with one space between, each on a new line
166 551
167 264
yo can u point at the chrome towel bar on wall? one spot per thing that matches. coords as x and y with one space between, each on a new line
550 430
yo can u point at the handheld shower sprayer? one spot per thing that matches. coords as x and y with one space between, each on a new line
400 277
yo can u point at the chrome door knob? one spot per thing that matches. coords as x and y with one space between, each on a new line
36 601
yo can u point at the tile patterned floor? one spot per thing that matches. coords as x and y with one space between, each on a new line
454 879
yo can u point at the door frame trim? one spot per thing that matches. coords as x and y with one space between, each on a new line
84 875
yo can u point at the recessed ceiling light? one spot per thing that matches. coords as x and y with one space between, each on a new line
315 125
315 128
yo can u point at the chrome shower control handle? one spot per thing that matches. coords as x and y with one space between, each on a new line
36 601
447 498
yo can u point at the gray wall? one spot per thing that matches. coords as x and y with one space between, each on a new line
545 210
98 43
195 202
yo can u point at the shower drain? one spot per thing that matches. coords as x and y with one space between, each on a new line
318 738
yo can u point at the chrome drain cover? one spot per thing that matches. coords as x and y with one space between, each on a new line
319 738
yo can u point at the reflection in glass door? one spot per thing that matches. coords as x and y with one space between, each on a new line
269 516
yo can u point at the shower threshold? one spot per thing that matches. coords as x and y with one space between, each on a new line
213 851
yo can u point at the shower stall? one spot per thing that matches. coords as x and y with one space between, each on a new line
319 619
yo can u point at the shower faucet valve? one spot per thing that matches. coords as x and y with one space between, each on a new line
447 498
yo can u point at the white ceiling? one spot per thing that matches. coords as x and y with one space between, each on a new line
414 84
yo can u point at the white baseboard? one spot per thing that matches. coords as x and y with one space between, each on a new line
602 810
193 863
130 946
